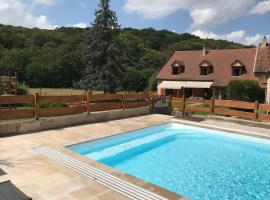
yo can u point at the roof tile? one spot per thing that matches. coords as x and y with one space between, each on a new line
263 60
221 61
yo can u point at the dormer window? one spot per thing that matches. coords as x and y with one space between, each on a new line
206 68
238 69
178 68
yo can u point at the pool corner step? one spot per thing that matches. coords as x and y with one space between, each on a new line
123 187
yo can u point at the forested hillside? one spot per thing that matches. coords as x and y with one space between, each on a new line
46 58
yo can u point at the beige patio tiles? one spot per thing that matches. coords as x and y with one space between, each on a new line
42 178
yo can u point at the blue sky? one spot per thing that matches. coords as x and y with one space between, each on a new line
244 21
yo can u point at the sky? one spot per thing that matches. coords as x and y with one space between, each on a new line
242 21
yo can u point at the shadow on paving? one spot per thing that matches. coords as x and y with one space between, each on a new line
190 118
8 191
2 172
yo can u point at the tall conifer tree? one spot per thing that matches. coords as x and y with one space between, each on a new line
103 68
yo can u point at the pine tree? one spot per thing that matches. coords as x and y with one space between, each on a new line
103 68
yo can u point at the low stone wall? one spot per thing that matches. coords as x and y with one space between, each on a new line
30 126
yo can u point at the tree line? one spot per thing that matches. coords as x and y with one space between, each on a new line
56 58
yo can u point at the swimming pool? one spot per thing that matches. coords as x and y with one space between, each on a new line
195 162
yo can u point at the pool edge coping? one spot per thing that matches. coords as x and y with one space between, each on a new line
124 176
218 128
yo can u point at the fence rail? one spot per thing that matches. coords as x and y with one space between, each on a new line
35 106
16 99
241 109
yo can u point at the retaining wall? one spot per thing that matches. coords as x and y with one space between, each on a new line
30 126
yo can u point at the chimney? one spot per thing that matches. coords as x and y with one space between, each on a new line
204 51
264 42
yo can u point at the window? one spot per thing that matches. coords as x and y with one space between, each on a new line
238 69
182 69
178 67
206 68
204 71
176 70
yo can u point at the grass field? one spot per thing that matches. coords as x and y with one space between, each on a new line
61 91
55 91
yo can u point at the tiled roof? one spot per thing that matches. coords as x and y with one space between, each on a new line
221 60
263 59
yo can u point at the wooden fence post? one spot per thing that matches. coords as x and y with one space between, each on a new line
212 105
36 103
153 101
150 100
88 102
256 108
170 102
184 106
15 83
123 101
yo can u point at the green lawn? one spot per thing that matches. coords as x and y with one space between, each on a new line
64 91
55 91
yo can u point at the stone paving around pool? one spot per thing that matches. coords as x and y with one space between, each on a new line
42 178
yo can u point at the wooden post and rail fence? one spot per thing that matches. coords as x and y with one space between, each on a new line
36 106
241 109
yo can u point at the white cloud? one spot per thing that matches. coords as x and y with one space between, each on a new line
47 2
261 8
43 22
236 36
79 25
201 16
151 9
205 14
18 13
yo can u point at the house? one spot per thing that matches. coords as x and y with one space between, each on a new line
206 73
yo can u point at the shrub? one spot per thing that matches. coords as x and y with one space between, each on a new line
22 89
245 90
134 80
153 82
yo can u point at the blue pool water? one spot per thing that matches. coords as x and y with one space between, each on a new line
195 162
